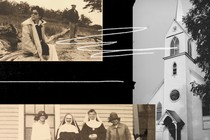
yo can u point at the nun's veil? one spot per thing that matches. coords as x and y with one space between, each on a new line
98 119
92 123
73 122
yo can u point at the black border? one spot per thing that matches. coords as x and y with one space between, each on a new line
116 13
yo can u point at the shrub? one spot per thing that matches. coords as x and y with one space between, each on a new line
52 29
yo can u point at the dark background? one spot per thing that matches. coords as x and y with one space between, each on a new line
116 13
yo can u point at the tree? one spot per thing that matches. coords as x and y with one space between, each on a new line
94 5
197 22
96 26
65 13
84 21
5 8
24 7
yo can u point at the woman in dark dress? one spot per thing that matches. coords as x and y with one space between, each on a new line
68 129
93 128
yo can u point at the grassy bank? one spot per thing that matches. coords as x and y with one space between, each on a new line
52 27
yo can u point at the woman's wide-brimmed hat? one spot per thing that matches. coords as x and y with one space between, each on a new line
113 116
40 113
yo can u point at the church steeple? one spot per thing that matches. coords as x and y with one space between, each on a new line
179 11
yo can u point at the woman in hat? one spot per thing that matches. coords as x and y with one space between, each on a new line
40 128
93 128
118 130
68 129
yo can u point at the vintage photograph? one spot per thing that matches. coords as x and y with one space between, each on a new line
51 30
175 77
144 121
71 121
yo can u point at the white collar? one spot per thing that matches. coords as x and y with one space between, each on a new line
68 128
93 124
39 23
30 21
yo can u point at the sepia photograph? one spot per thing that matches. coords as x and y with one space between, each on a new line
175 75
51 30
77 122
144 121
108 73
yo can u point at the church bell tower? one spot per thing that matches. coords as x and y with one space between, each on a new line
178 63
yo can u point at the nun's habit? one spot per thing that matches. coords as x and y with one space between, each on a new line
68 131
93 127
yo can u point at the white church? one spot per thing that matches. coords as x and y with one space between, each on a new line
180 114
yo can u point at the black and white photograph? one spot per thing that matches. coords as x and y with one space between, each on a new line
51 30
174 72
69 121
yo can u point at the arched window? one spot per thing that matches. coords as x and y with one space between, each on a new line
174 46
174 69
159 110
189 44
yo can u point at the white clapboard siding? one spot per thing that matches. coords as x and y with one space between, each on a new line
125 112
9 122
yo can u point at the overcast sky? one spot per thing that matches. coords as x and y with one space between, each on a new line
96 17
157 15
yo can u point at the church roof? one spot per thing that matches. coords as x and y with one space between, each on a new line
178 18
173 115
183 27
156 90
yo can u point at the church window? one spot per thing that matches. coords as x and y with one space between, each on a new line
159 110
174 95
174 46
174 69
206 105
189 44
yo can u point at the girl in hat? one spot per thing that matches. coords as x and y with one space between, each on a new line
93 128
40 128
68 129
118 130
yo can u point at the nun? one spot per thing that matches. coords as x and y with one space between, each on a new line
68 129
93 128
